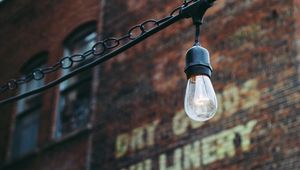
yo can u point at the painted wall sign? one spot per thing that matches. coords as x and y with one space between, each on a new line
203 151
198 152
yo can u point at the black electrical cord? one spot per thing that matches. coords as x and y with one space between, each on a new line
197 34
183 12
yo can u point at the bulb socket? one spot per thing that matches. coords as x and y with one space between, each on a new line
197 62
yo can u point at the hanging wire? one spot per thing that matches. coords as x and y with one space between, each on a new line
197 34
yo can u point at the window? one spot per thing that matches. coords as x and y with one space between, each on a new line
75 93
27 111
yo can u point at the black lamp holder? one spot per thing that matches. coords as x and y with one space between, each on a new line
197 57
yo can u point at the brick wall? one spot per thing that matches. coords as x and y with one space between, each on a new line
28 28
255 77
139 122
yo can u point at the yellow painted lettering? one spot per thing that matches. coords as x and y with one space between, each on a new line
231 100
145 165
150 129
137 141
122 143
245 132
209 149
225 146
163 165
250 96
180 123
192 157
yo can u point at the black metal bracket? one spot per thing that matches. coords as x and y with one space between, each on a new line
197 11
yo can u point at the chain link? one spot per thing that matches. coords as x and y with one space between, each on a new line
98 49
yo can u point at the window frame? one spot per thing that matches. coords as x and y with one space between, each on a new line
76 37
25 111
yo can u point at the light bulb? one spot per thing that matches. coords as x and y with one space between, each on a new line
200 101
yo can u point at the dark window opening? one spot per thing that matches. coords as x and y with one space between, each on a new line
75 94
25 135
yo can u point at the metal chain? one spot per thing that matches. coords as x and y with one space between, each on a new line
98 49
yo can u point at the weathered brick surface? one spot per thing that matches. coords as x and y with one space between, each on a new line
138 120
255 76
28 28
70 154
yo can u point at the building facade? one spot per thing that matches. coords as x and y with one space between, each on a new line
127 114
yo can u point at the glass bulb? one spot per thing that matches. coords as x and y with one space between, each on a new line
200 101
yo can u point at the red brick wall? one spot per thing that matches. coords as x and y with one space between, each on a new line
255 77
139 123
66 155
27 28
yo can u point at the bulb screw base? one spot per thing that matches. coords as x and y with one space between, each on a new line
197 62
